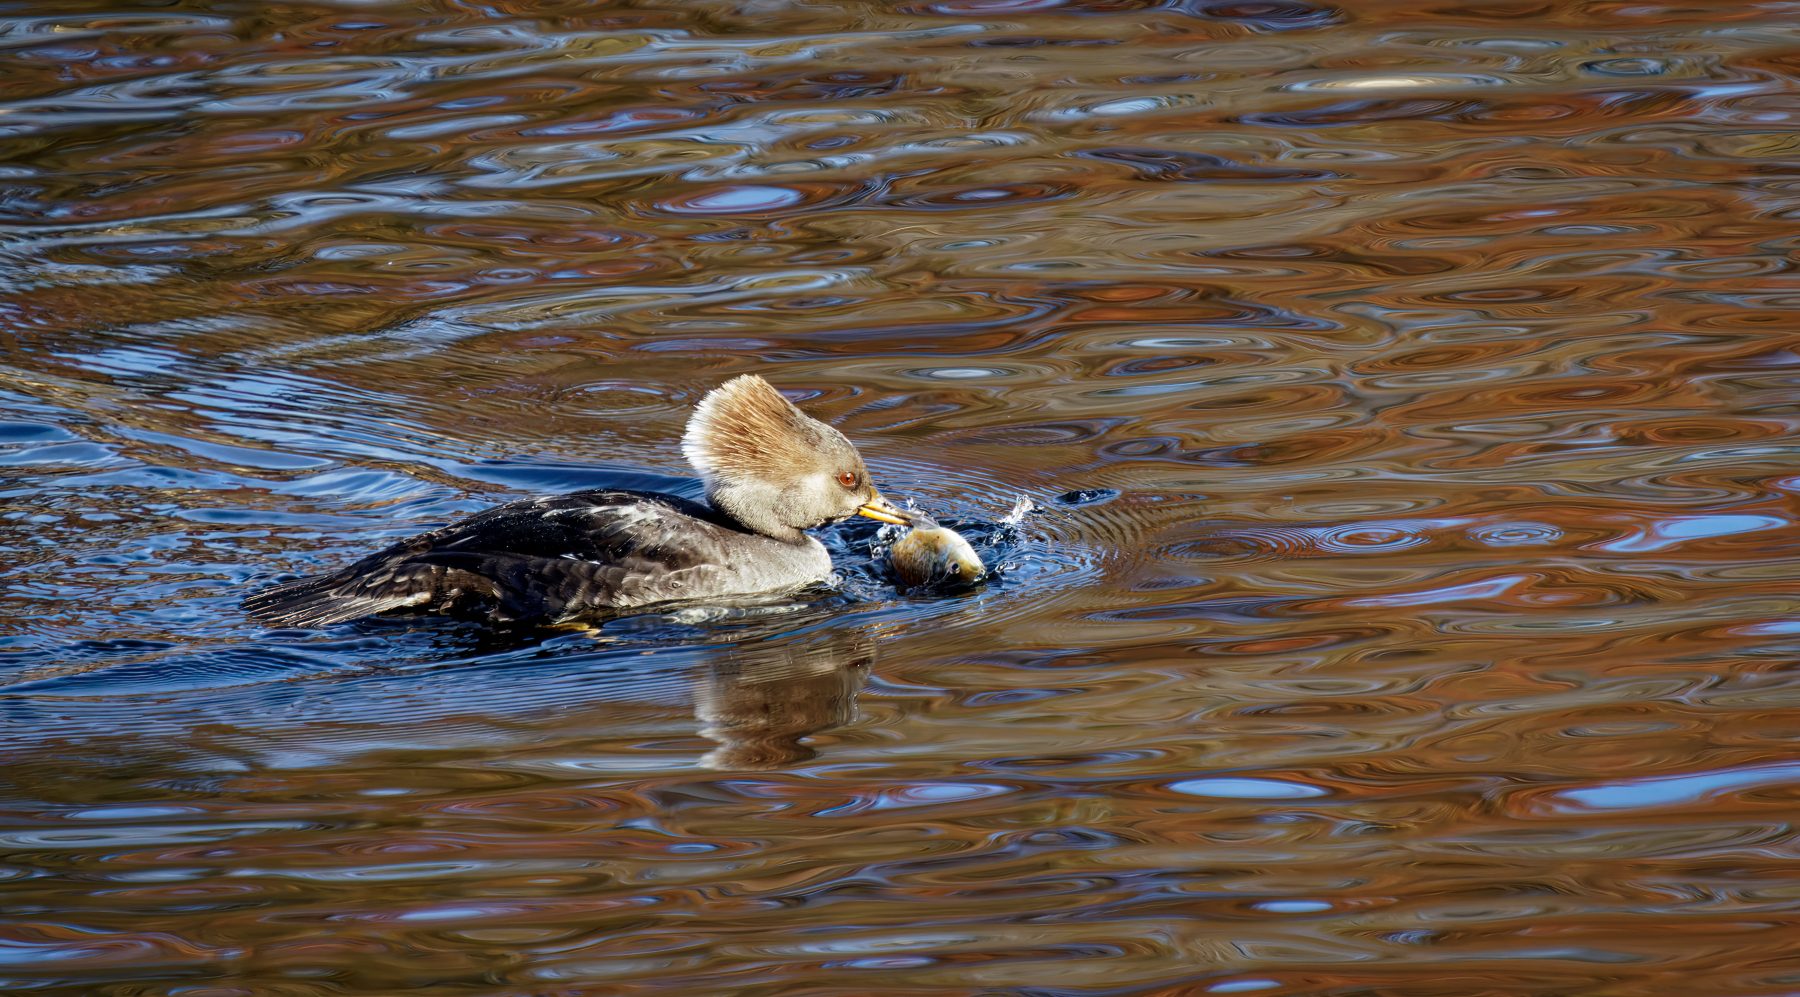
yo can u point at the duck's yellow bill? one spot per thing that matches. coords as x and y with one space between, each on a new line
883 511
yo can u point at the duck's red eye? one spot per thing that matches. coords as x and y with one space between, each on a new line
847 479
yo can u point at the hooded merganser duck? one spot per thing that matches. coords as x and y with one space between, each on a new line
771 473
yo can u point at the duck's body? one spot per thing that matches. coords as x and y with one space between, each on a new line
555 558
771 473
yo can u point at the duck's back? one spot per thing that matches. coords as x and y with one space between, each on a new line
553 558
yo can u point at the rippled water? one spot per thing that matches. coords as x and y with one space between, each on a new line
1408 390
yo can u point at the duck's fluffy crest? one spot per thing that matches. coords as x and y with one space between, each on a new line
745 428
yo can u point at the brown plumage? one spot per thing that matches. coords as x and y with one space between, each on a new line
745 427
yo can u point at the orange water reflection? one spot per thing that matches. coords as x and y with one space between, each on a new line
1407 389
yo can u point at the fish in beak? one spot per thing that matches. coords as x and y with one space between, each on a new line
936 556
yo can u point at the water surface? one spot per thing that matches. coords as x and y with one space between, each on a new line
1407 388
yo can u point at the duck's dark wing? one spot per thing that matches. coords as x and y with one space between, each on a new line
535 560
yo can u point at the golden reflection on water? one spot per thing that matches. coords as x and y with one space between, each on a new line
1407 388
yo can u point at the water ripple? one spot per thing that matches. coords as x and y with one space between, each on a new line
1398 393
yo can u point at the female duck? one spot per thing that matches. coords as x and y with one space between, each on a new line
771 473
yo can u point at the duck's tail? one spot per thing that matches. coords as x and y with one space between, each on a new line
321 600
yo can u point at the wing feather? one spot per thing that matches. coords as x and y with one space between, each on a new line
532 560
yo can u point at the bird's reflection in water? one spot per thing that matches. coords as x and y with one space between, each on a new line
760 701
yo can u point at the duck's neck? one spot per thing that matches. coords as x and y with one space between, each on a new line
757 517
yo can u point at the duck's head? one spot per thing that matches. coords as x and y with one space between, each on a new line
775 469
